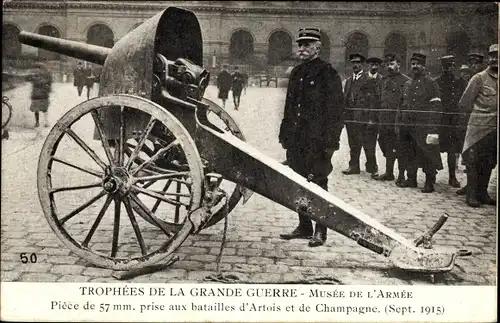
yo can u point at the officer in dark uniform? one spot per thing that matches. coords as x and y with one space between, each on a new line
360 118
312 123
391 101
451 136
419 120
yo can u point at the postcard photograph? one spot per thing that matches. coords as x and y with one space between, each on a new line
219 143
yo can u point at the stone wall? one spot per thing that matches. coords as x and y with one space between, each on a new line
425 26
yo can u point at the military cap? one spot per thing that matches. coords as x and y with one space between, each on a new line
311 34
392 57
419 57
375 60
448 59
357 57
476 56
493 48
465 67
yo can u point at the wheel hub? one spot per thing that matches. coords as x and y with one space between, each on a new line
117 181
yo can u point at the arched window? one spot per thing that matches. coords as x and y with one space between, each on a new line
458 44
100 35
241 47
280 48
48 30
357 42
11 47
396 43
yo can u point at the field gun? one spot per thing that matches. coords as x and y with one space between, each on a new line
176 159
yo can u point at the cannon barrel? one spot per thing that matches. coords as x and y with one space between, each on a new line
90 53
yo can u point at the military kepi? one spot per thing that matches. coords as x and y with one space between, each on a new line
392 57
309 34
447 60
356 57
419 57
374 60
476 56
465 67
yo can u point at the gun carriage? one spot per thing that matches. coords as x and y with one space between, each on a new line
160 139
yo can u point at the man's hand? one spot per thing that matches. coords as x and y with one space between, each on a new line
432 139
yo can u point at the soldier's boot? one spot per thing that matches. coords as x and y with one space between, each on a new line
401 173
389 171
429 183
471 198
354 169
411 181
482 188
452 165
303 231
319 237
462 191
37 119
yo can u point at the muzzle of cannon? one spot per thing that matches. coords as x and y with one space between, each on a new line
161 151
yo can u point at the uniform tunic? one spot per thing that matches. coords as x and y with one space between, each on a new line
391 101
312 119
419 116
481 97
362 101
451 134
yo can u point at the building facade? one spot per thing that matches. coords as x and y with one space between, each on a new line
260 35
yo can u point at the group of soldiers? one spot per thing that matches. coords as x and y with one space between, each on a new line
414 118
83 76
235 82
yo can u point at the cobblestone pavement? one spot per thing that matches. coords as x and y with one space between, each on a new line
253 251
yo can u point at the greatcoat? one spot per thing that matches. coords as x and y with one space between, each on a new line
312 120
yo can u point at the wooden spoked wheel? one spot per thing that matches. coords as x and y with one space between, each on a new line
173 219
6 111
83 169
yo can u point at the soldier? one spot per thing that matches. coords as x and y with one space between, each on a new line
224 85
419 120
361 121
237 86
79 78
480 146
476 61
89 79
450 135
465 73
374 65
391 100
312 123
